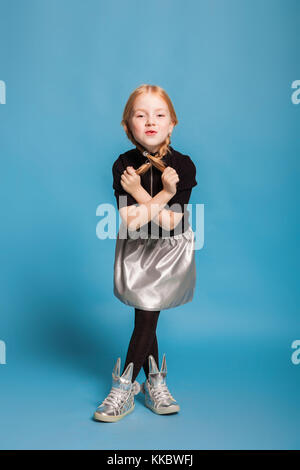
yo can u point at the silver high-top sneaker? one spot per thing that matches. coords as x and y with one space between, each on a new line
157 396
120 400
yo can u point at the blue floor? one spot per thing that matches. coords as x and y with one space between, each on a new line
234 393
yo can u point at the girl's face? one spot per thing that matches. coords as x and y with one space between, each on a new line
150 113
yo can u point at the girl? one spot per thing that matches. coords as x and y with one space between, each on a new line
154 266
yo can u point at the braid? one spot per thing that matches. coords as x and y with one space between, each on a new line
154 160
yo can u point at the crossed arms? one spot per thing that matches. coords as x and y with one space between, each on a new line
150 208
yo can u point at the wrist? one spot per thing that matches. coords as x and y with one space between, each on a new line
136 191
168 194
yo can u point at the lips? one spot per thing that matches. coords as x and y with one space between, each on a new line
151 132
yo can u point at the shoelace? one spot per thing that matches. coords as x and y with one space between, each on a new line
115 397
161 391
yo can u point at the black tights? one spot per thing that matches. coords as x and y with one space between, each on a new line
143 342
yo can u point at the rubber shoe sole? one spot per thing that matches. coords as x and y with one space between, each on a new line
164 411
160 411
111 419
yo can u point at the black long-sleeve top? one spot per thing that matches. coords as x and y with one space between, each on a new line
151 181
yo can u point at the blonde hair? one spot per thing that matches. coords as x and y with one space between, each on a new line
154 160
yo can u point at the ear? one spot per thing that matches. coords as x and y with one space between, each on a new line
116 371
152 365
171 127
127 374
163 364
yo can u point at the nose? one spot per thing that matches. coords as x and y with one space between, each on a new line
150 121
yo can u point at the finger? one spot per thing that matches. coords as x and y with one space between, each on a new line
127 173
169 170
173 180
124 178
129 176
131 170
166 172
171 175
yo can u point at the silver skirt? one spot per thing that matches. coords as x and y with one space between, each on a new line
155 273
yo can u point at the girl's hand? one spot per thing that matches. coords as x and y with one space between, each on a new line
169 179
130 180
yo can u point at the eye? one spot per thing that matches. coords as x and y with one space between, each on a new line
161 114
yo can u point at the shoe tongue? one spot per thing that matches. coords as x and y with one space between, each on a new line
121 382
157 378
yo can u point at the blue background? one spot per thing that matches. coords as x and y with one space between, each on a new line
69 68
